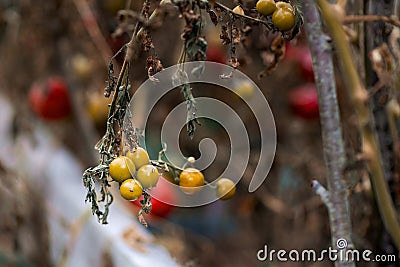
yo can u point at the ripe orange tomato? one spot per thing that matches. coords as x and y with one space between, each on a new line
191 180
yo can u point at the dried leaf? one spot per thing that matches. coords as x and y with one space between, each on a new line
153 65
382 60
278 52
299 22
129 136
191 126
234 62
224 36
196 49
236 36
147 41
213 17
218 9
146 9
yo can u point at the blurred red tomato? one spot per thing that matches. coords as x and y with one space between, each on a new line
50 100
301 56
306 65
162 191
304 101
216 54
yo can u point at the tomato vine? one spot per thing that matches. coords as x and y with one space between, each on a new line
121 136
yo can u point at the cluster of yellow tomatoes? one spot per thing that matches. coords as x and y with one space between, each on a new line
135 173
282 13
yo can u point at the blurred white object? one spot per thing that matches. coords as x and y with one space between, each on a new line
51 166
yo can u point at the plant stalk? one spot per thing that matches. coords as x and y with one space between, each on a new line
359 97
334 153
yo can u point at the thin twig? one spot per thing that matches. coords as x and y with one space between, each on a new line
322 193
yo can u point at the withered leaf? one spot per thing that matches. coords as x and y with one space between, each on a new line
278 52
234 62
213 17
236 36
278 45
147 42
153 65
224 36
196 49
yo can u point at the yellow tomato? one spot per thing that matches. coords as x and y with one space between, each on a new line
245 89
131 189
121 168
266 7
148 176
226 188
282 4
139 157
97 108
284 19
82 66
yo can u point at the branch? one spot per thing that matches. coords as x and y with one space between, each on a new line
323 193
336 200
369 18
239 15
359 97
